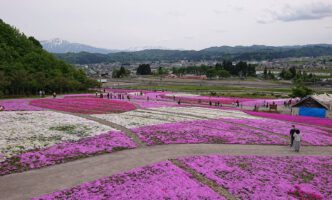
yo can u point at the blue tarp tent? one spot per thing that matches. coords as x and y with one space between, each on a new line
312 112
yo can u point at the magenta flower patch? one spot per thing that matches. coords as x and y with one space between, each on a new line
104 143
298 119
310 135
19 105
205 131
268 177
85 105
158 181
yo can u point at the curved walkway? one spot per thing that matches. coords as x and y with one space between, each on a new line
46 180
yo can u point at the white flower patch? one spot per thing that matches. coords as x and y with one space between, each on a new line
154 116
25 130
204 113
140 117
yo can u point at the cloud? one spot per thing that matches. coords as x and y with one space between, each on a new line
289 13
219 31
218 12
175 13
189 37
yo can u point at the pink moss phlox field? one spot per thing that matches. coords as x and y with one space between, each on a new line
62 152
228 100
261 102
85 105
298 119
310 135
204 131
158 181
268 177
80 95
19 105
207 99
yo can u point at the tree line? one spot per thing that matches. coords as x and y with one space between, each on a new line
221 70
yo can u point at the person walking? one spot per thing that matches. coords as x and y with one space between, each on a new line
297 140
54 95
292 132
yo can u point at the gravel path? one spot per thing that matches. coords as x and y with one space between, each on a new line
46 180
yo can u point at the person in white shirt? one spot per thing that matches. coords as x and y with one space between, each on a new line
297 140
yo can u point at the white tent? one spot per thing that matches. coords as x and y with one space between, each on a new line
325 99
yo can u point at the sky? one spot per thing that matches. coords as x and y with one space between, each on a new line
173 24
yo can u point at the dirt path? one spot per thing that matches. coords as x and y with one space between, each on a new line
46 180
125 130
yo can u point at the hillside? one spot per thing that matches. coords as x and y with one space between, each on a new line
26 68
255 52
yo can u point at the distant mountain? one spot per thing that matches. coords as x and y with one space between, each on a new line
62 46
255 52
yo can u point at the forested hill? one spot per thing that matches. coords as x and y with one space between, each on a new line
256 52
26 68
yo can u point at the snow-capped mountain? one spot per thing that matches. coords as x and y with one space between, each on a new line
140 48
58 45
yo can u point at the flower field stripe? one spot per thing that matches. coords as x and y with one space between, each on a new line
267 177
202 179
66 151
310 135
85 105
204 131
158 181
19 105
318 122
22 131
226 120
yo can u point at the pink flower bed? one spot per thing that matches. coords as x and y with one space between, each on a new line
310 135
85 105
104 143
298 119
204 131
19 105
80 96
225 100
260 102
158 181
263 177
206 99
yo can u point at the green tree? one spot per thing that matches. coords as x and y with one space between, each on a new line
25 67
223 74
211 73
144 69
301 91
265 75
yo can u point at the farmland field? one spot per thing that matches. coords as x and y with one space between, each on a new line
139 144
